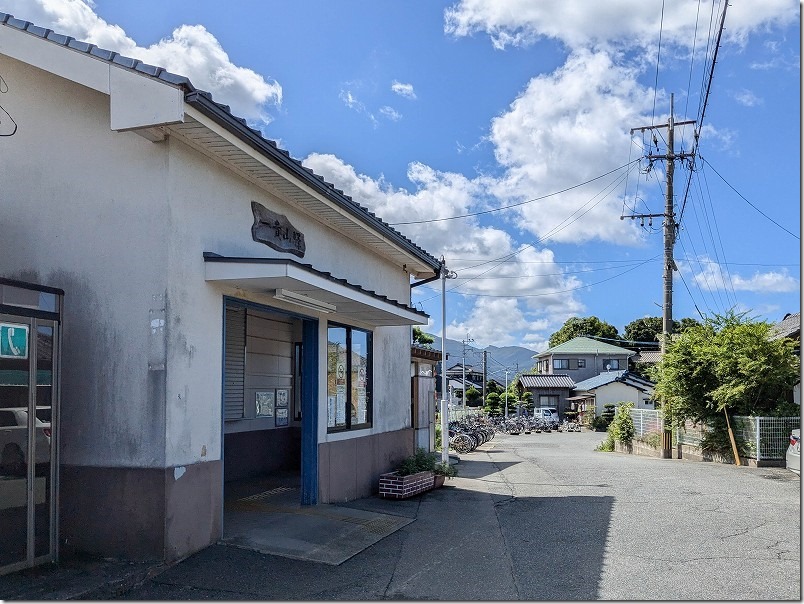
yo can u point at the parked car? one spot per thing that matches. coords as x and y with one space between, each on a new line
548 414
14 440
794 452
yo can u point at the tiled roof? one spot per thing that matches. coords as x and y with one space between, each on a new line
647 356
583 345
546 380
607 377
788 327
237 125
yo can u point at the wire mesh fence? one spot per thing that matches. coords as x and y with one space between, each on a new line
647 421
764 438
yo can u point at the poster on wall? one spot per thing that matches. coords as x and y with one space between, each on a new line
282 397
281 416
265 404
340 406
361 408
330 412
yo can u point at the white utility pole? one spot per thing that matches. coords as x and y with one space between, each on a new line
445 274
506 393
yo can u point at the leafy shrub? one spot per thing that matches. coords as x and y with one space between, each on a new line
621 428
420 461
607 445
445 469
599 424
652 439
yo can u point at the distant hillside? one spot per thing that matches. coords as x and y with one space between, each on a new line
499 358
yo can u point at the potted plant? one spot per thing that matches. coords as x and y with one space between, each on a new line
414 475
442 471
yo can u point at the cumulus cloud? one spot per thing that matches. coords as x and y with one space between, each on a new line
190 50
711 276
524 278
564 128
403 90
602 24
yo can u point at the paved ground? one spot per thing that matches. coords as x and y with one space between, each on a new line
531 517
545 517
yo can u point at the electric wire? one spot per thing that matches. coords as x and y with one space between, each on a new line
513 205
746 200
658 57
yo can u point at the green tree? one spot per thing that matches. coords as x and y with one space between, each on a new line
527 400
586 326
728 362
492 404
473 396
648 329
421 338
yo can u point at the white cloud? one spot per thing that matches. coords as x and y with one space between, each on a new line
711 276
403 90
537 290
390 113
190 51
580 23
564 128
747 98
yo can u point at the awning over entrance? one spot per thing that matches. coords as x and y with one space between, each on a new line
301 285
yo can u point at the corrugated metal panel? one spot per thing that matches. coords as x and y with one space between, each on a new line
234 371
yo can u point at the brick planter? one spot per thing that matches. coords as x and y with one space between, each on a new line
394 486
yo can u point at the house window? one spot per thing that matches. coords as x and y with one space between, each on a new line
349 369
581 363
560 363
611 364
548 400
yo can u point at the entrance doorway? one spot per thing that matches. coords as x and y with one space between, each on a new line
28 409
269 437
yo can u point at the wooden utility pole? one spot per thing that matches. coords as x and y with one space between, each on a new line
670 229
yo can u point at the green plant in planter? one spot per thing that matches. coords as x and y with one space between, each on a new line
421 461
446 469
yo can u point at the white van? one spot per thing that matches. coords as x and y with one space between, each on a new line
548 414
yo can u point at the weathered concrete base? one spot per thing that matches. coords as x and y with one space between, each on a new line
691 453
349 469
140 514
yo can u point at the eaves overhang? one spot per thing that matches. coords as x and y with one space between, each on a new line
309 291
426 265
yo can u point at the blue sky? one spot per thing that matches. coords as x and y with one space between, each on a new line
427 111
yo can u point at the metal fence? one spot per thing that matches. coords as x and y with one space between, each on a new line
764 438
647 421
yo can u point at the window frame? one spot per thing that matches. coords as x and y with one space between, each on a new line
581 363
560 364
350 387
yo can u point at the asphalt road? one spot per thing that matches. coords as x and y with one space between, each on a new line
545 517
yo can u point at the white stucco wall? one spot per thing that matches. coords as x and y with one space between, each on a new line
210 210
83 208
121 223
616 392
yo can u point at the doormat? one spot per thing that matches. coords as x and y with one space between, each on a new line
272 523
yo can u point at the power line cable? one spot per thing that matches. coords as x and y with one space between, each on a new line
513 205
746 200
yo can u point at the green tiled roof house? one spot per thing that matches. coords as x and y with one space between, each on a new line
582 358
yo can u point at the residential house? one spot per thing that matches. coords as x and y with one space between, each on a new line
581 358
548 390
228 316
590 395
790 327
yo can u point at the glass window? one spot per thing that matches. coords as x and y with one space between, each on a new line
349 358
581 363
560 363
548 400
611 364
